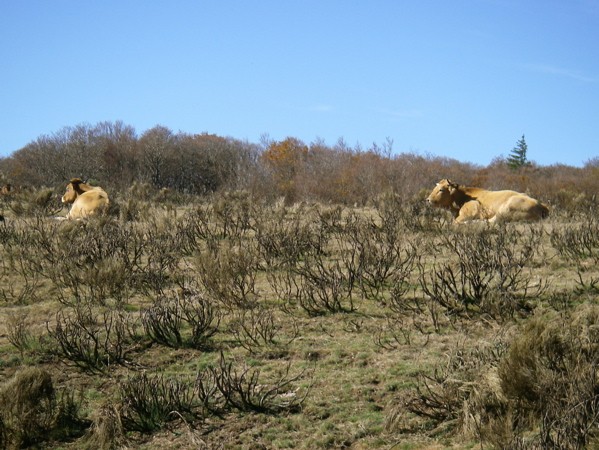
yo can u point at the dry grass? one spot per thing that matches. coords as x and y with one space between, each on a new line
234 324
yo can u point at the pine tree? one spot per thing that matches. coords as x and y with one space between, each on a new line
518 158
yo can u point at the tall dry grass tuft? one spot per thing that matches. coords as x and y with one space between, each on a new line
549 377
31 412
107 432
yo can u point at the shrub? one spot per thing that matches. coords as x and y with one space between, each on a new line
285 236
165 320
229 274
150 402
442 395
40 203
31 411
549 375
227 386
580 244
92 342
19 334
487 274
255 328
384 255
537 390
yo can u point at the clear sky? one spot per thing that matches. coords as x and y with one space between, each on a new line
463 79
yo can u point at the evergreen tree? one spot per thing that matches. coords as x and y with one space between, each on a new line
518 158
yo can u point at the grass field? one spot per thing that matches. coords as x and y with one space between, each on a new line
235 324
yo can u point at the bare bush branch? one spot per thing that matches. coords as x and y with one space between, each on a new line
149 403
242 389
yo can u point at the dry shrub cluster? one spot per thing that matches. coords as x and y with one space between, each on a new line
537 389
370 254
579 243
488 272
149 402
92 342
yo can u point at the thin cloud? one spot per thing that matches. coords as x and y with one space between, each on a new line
559 71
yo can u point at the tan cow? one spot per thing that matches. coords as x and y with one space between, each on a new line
468 204
86 200
7 189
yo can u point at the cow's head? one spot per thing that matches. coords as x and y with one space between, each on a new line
443 193
73 190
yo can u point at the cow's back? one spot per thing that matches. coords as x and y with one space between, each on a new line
513 206
494 200
89 203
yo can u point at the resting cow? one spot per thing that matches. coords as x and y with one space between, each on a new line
86 200
7 189
469 204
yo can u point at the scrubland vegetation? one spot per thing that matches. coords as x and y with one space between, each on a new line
286 295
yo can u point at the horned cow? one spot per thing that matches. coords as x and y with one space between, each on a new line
468 204
85 200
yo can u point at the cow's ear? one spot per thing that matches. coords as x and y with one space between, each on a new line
452 186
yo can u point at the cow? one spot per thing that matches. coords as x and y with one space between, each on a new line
472 204
86 200
7 189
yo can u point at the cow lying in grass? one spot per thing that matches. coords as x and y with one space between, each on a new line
85 200
470 204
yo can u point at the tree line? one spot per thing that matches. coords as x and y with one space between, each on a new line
113 155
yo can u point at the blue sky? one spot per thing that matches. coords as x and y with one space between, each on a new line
462 79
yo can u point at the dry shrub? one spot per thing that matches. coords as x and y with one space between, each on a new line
380 254
549 376
101 261
286 235
442 398
162 322
94 261
488 273
229 386
20 279
229 274
18 328
150 402
40 203
232 212
415 215
133 204
93 342
539 391
227 217
579 243
31 412
166 319
256 329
